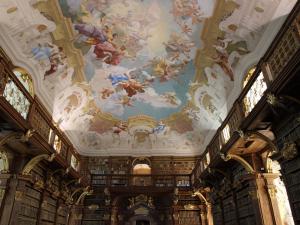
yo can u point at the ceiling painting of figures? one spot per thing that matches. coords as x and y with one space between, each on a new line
138 54
141 77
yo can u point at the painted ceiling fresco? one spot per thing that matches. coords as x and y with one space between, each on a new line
143 77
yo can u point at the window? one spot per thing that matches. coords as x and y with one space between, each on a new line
25 79
226 133
254 94
206 160
50 138
141 168
57 143
16 98
74 162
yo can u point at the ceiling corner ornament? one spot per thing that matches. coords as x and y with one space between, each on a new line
289 150
239 159
36 160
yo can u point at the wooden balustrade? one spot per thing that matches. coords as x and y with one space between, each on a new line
270 70
122 180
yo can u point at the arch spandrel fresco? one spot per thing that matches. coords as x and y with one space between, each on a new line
144 77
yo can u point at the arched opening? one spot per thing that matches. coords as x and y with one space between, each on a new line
141 169
141 166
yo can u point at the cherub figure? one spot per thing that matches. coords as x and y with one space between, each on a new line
106 92
222 60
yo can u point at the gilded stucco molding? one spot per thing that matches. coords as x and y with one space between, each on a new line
82 196
36 160
239 159
85 191
29 133
200 196
78 190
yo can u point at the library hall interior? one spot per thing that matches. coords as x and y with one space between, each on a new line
149 112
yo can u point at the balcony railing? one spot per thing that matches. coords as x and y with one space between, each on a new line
268 75
159 181
29 114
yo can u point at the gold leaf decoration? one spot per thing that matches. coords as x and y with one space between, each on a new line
12 9
232 27
259 9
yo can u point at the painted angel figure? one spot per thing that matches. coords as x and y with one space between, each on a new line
118 78
159 128
184 9
95 34
42 52
178 46
222 60
109 53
